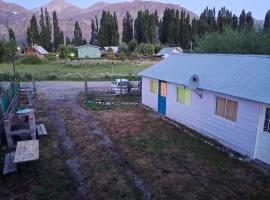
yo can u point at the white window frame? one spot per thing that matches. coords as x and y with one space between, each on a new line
224 118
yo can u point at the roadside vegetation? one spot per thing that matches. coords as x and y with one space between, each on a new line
75 70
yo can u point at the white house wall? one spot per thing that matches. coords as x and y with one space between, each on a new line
149 99
200 116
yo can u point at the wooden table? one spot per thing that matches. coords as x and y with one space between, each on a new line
27 151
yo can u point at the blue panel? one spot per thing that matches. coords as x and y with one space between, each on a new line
161 100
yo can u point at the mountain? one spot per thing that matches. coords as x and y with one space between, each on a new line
16 22
68 14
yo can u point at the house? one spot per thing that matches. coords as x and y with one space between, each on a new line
224 97
113 49
88 51
167 51
36 50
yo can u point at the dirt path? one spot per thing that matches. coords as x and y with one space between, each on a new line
67 97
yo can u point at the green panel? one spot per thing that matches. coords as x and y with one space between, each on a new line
154 86
181 94
187 96
5 102
88 52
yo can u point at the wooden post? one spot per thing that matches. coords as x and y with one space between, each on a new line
32 124
86 88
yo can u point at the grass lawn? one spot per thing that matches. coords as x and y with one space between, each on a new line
93 70
49 178
175 164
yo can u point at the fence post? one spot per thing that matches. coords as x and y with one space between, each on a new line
86 88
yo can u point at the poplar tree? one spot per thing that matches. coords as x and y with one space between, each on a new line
108 32
94 31
32 33
242 20
77 39
58 35
266 24
127 28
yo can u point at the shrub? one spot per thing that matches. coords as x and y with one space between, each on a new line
6 76
68 51
132 45
28 76
145 49
51 57
52 77
32 60
123 48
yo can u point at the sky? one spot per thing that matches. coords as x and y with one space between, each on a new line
257 7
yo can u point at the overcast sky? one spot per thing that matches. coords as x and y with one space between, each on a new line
257 7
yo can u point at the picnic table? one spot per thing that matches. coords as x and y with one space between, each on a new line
27 151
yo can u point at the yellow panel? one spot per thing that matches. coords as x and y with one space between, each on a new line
187 96
163 89
181 94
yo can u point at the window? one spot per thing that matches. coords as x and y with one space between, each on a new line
163 91
154 86
226 108
266 127
183 95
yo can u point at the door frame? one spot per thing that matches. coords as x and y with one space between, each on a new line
261 119
160 97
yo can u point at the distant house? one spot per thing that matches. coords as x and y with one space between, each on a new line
167 51
113 49
225 97
37 51
88 51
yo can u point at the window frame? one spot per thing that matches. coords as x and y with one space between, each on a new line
185 89
156 88
225 108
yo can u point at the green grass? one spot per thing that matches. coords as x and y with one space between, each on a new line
72 71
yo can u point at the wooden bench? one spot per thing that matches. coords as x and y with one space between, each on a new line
9 166
41 130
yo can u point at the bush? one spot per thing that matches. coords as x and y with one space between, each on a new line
28 76
132 45
31 60
123 48
68 51
145 49
51 57
6 76
52 77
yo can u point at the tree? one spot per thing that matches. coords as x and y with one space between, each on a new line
108 32
168 18
242 20
57 33
32 32
249 21
11 34
94 32
224 19
127 28
234 22
132 45
266 24
77 39
146 27
46 30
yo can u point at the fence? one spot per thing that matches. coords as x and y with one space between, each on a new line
7 95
